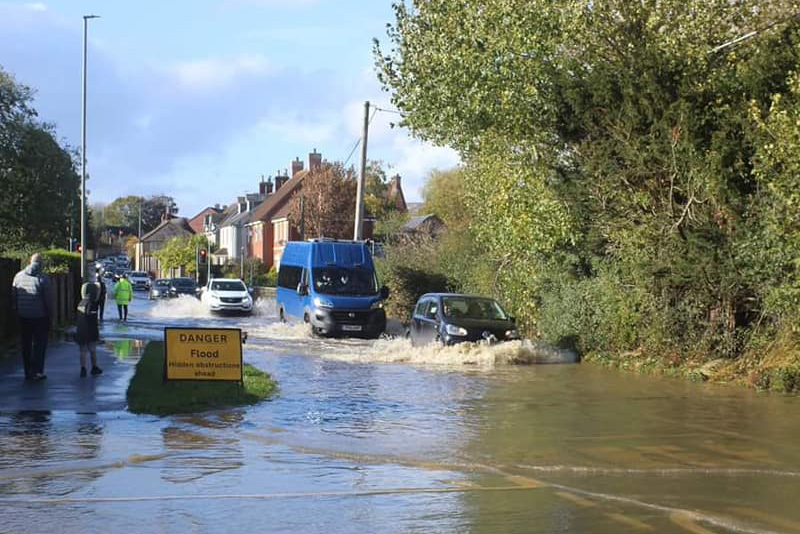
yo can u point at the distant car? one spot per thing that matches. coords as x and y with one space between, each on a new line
183 286
159 289
139 280
450 318
227 294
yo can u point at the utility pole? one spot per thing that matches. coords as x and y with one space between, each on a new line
84 274
362 177
140 219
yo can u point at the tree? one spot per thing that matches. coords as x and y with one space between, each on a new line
617 158
329 198
125 211
40 186
181 252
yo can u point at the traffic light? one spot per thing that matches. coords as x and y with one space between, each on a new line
203 253
79 248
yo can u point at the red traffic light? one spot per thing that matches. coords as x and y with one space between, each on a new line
79 248
203 252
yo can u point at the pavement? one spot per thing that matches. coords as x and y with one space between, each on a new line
64 389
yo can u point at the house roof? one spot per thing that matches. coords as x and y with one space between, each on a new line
167 229
414 223
198 220
268 209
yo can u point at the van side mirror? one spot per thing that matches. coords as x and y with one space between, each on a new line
302 289
384 293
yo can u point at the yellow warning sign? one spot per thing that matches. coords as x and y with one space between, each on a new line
203 354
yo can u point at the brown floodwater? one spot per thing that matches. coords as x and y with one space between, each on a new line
372 437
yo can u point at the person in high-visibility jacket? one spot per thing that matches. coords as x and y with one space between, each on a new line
123 293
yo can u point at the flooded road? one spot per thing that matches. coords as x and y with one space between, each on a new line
372 437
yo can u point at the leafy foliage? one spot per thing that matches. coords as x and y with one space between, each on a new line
41 199
329 199
631 168
181 252
125 211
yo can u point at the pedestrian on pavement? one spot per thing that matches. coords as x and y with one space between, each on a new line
31 301
102 291
88 333
123 293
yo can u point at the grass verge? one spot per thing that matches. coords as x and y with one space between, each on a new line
148 393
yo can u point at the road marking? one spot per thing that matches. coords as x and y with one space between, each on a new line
686 521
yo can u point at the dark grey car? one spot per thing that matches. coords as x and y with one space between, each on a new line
450 318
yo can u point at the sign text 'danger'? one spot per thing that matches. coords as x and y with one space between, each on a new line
203 354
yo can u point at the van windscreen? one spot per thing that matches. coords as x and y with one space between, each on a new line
343 281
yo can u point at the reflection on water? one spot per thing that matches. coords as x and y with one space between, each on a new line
125 349
383 437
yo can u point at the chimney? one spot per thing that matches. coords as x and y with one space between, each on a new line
242 202
314 161
262 187
268 187
297 166
216 207
281 179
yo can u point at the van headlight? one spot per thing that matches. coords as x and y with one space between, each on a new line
378 304
322 303
454 330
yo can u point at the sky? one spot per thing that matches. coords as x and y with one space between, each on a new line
200 99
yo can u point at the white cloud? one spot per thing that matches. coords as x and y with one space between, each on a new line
212 74
36 6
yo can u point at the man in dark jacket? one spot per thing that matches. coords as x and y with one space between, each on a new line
101 295
31 294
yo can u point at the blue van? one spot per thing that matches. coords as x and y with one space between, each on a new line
331 285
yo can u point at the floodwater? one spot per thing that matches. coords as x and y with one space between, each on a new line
377 436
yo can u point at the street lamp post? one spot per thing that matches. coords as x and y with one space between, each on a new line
84 274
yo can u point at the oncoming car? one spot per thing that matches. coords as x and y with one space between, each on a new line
227 294
139 280
450 318
159 289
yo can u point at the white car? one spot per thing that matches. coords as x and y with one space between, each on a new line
139 280
227 294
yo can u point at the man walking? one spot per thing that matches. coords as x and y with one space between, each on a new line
101 294
123 293
31 294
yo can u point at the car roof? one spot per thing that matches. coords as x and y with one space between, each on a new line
467 295
226 280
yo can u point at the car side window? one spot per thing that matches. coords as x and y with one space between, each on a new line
421 307
430 313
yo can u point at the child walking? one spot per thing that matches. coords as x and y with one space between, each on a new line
88 333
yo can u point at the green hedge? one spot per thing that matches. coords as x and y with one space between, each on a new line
56 260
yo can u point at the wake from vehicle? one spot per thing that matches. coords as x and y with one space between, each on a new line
298 338
186 306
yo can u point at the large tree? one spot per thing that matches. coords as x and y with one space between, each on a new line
40 186
617 157
125 211
325 207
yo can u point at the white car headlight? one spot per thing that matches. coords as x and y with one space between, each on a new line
454 330
511 334
376 305
322 303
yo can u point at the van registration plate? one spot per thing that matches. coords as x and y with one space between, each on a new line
351 327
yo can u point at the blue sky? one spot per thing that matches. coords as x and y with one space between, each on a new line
198 99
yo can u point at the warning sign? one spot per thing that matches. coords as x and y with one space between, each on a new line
203 354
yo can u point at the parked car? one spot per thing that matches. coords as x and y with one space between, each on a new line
332 286
227 294
139 280
183 286
450 318
159 289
